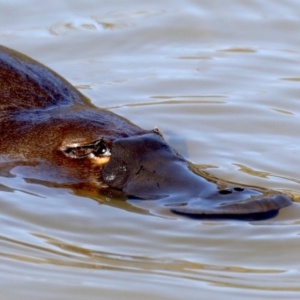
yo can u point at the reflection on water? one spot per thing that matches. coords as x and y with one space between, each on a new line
169 102
253 172
222 83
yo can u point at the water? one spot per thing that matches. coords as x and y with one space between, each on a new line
221 80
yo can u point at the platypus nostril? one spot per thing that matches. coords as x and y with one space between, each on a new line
228 191
238 189
225 192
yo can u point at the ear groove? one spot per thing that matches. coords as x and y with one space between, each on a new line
78 152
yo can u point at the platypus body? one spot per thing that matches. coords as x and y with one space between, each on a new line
46 123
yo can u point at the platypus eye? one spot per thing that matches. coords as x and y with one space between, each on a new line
98 148
101 149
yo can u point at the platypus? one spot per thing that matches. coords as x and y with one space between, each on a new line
48 124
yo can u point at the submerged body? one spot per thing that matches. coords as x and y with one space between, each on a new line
48 124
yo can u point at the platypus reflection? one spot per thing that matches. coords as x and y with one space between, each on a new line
45 122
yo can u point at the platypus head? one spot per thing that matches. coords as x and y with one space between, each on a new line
144 166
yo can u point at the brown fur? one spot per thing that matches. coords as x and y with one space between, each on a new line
40 113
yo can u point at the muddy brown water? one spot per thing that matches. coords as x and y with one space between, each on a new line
221 79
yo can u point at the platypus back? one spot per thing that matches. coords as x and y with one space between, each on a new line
26 84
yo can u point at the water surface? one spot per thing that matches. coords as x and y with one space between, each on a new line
221 80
